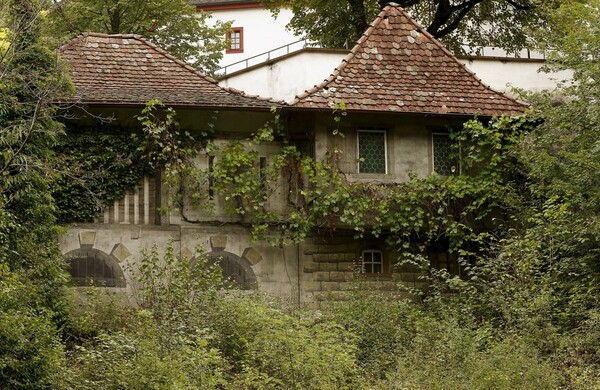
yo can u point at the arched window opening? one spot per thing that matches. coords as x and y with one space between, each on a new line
237 271
91 267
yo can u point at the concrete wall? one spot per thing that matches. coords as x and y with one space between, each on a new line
504 73
409 142
276 269
287 76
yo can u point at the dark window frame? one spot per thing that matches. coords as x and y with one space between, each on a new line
94 261
384 270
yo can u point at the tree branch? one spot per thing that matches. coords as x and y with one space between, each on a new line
458 18
444 13
30 130
359 15
403 4
519 6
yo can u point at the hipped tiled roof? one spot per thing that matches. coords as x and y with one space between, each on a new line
128 70
397 66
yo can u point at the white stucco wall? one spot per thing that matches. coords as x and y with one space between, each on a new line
288 76
503 74
261 31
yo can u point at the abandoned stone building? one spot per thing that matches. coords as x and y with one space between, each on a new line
401 90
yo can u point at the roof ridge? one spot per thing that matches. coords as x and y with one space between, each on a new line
201 74
168 55
258 97
344 62
178 61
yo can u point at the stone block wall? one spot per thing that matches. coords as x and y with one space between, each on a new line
313 272
331 269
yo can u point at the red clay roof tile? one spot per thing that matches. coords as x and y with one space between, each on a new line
397 66
127 69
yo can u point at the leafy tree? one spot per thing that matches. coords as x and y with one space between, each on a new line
30 79
475 23
171 24
561 161
32 278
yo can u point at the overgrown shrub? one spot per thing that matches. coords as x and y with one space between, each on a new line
189 332
30 351
296 350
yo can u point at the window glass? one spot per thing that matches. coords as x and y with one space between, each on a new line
372 261
444 162
92 268
371 151
235 40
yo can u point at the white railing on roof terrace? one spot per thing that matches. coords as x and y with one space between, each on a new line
265 57
482 52
495 52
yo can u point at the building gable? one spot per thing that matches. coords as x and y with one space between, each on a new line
397 66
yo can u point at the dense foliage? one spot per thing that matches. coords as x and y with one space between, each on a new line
31 270
99 166
474 23
522 221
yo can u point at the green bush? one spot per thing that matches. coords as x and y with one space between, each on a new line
381 327
283 350
447 355
138 359
30 351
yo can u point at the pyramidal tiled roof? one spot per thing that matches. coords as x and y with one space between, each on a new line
397 66
128 70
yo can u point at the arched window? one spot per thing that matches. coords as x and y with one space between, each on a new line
236 270
93 267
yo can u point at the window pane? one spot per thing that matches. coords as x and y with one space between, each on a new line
235 40
443 162
371 151
376 257
377 268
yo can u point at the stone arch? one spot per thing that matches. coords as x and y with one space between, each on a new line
87 264
236 269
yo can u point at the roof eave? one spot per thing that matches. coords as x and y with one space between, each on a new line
417 113
121 104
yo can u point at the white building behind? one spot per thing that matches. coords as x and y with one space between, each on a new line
266 59
254 29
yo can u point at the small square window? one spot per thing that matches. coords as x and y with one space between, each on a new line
235 40
444 162
372 261
372 151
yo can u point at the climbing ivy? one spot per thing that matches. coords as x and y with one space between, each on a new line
458 213
98 165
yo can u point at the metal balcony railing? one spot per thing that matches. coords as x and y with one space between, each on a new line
493 52
266 56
